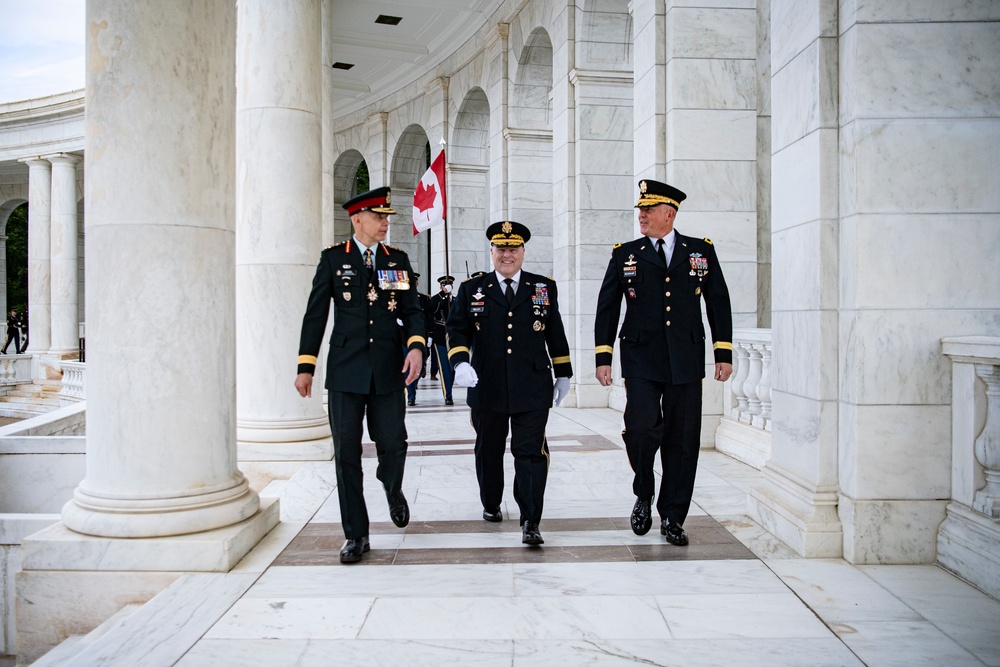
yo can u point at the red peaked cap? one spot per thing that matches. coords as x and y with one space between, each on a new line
377 200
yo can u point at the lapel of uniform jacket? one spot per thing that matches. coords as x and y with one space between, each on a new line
494 289
646 249
524 290
682 251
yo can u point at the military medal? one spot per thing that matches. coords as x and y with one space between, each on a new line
372 294
392 302
541 295
699 264
347 296
697 291
537 326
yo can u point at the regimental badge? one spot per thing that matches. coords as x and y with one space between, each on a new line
477 326
631 292
347 296
697 291
338 272
372 294
388 198
393 279
392 302
541 295
478 295
536 312
392 264
699 264
537 326
506 227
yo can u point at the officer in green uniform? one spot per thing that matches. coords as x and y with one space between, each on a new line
507 323
370 285
663 277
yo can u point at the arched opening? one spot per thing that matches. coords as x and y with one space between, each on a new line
468 196
350 176
410 160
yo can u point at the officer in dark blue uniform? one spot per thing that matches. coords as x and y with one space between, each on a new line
507 324
424 301
663 277
370 285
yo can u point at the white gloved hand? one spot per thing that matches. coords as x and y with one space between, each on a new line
560 390
430 342
465 375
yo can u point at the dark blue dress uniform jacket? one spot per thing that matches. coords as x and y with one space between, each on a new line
663 337
513 349
367 342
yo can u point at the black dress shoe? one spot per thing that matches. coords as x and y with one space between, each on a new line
674 533
642 516
411 402
399 510
354 549
448 401
493 516
530 534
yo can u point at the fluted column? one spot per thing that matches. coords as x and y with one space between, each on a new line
279 232
39 230
161 420
64 295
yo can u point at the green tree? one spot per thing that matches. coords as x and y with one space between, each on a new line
17 259
361 179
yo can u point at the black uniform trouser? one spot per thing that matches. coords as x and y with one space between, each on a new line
664 418
386 426
12 335
531 458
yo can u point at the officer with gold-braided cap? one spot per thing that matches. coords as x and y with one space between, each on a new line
663 277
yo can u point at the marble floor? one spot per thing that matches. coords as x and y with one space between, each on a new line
451 589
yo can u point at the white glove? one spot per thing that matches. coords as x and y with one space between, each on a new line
560 390
430 342
465 375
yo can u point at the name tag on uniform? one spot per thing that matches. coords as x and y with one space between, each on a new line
477 307
393 280
347 273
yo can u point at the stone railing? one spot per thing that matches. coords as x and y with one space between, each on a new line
969 538
74 382
15 368
745 429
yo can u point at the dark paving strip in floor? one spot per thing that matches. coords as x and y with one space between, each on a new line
319 544
586 443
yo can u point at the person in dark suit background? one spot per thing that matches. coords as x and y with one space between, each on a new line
439 308
14 324
424 300
663 277
505 339
370 285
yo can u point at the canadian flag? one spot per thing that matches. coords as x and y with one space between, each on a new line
429 204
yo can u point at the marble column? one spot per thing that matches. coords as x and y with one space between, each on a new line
798 495
918 151
328 144
161 447
39 252
279 236
64 276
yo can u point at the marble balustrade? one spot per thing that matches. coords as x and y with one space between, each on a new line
745 428
74 382
968 541
15 368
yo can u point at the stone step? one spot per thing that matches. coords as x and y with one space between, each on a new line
31 400
72 646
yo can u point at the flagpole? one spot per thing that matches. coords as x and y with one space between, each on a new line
447 270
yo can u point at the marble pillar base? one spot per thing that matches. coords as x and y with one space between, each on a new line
890 532
743 442
70 583
59 548
968 544
617 398
304 440
591 396
804 519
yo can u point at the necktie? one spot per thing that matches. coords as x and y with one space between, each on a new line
368 258
509 291
659 251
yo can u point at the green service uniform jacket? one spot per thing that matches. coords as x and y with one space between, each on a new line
515 349
367 342
663 337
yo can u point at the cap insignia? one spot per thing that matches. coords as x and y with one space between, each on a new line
642 187
506 227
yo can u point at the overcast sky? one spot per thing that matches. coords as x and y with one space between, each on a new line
41 48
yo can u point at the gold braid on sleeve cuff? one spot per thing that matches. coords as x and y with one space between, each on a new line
723 346
456 350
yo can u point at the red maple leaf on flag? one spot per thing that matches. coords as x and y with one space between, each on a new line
423 198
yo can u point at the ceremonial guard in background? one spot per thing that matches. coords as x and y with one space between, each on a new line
370 285
424 300
439 308
663 277
507 324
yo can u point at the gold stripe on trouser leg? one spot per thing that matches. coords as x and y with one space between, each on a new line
545 453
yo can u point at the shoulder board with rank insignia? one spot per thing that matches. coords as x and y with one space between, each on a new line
392 247
708 241
336 245
618 245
